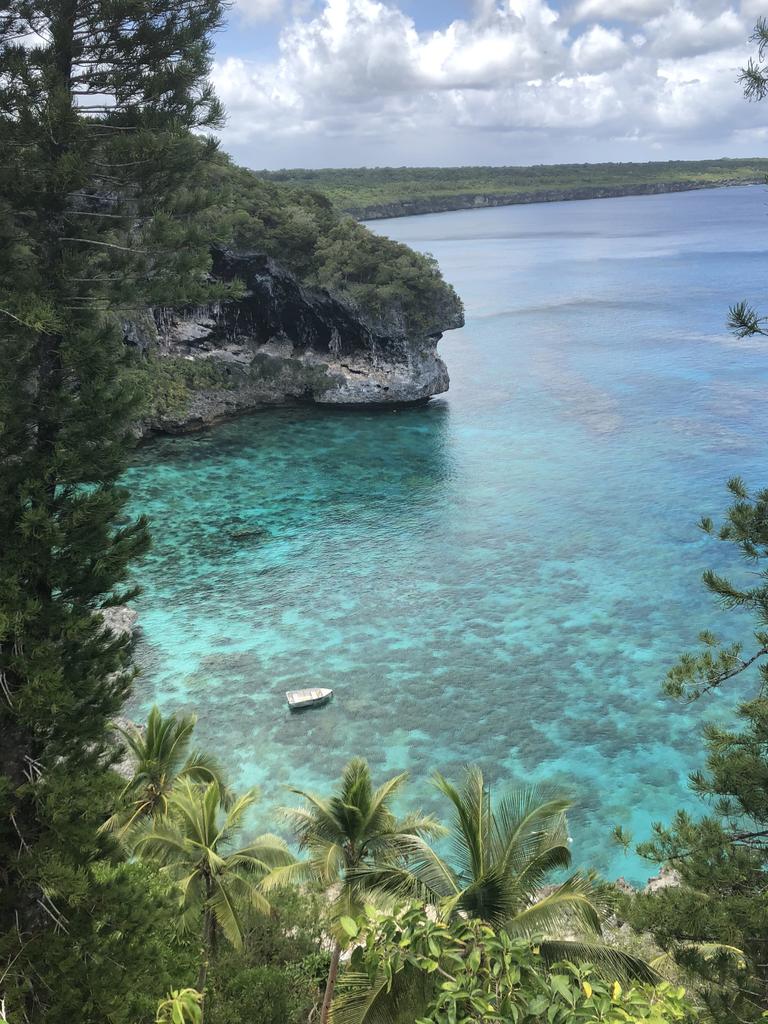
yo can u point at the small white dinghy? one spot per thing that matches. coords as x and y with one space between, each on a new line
311 698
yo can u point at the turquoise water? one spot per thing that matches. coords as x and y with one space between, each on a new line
501 576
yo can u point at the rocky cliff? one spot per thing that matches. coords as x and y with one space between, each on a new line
479 200
283 341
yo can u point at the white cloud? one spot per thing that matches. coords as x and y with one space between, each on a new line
599 49
357 82
637 10
258 10
753 9
681 32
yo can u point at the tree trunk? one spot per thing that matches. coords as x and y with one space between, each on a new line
202 973
333 973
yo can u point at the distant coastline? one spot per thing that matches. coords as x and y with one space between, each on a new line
374 193
481 200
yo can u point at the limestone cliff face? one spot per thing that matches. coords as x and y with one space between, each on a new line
479 200
284 342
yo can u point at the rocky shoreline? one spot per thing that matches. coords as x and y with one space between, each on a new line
283 343
480 200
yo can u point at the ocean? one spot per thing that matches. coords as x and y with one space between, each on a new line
504 575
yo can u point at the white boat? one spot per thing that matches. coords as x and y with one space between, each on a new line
311 698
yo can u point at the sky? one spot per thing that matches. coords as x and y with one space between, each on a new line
353 83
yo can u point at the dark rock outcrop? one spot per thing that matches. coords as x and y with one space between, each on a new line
284 341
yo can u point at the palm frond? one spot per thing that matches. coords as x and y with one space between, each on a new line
379 814
532 874
166 740
233 822
316 821
202 767
522 818
191 810
422 874
608 962
362 1001
329 862
571 903
284 875
264 853
225 909
356 785
706 950
466 837
492 897
192 892
189 919
133 740
425 826
162 843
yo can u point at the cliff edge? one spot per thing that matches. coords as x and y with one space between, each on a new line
284 341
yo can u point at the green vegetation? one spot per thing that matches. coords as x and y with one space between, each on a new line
408 967
301 229
163 385
505 853
391 287
217 885
352 831
160 759
362 191
492 947
90 221
715 924
116 898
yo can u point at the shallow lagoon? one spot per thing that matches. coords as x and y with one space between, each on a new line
501 576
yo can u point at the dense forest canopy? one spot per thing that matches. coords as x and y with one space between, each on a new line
354 189
301 229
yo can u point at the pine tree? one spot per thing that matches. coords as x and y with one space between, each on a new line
715 924
98 102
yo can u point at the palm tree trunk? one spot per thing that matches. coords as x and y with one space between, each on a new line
202 973
333 973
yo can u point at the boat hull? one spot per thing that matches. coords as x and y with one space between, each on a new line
312 698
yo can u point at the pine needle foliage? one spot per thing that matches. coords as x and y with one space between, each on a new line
98 101
714 925
754 77
745 528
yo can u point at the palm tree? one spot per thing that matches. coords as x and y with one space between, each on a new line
352 830
218 885
502 854
161 758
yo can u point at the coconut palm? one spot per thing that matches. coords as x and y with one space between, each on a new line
352 830
502 854
161 757
218 885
